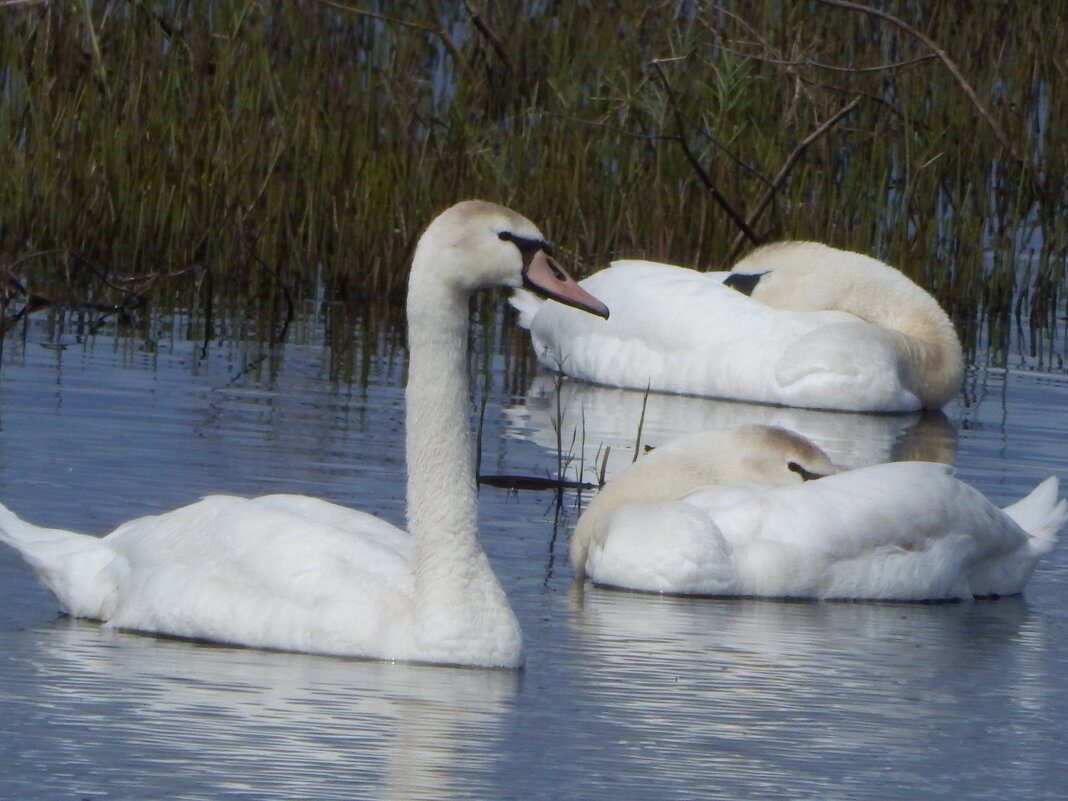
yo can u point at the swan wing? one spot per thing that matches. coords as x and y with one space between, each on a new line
661 547
904 530
279 572
677 330
371 528
671 328
849 365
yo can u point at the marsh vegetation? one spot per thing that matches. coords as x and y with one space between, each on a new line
234 157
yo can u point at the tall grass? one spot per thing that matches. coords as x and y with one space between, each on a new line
306 144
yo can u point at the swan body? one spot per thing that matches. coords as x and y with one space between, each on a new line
296 573
905 531
820 328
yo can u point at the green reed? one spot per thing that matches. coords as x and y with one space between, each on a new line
304 145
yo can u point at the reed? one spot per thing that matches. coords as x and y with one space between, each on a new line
304 145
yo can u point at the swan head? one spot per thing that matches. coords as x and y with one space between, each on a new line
751 454
476 244
810 276
747 454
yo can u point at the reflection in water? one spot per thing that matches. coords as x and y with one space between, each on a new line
595 418
197 721
801 694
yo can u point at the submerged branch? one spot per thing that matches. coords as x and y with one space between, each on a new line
132 291
517 482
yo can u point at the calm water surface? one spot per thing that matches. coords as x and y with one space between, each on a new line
623 695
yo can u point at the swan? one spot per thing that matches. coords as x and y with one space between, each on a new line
296 573
813 327
758 511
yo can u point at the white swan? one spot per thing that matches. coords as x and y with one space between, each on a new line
295 573
896 531
824 328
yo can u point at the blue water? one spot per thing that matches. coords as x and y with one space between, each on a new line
623 695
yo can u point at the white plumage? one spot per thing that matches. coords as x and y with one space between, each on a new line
896 531
824 328
296 573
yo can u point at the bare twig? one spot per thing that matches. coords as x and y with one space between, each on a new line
94 47
680 137
788 165
440 29
484 28
946 61
280 334
421 26
897 65
446 39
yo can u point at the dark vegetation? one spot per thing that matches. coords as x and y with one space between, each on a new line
229 159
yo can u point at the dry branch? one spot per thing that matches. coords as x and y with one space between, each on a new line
680 137
788 165
950 65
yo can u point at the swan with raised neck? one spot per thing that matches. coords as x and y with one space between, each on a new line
458 596
295 573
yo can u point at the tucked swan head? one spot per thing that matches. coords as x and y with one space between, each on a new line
747 454
811 276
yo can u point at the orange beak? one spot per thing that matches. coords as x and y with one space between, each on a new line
543 275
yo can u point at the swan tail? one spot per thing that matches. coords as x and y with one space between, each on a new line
527 304
80 570
1042 514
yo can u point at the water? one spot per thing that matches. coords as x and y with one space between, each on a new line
623 695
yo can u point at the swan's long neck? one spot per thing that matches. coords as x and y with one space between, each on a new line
871 290
925 331
458 598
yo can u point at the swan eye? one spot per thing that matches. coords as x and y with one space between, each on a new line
806 475
525 245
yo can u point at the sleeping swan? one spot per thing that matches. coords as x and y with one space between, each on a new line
904 531
821 328
295 573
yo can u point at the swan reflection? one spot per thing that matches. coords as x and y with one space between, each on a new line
595 419
716 684
206 719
